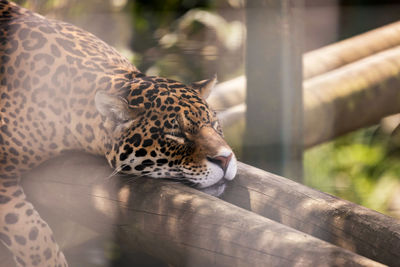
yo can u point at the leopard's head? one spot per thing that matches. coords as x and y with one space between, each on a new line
164 129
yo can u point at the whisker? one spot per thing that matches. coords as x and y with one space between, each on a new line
115 172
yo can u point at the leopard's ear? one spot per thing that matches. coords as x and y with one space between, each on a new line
115 108
204 87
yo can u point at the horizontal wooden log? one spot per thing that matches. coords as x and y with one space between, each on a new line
329 218
233 92
357 95
336 55
347 85
180 225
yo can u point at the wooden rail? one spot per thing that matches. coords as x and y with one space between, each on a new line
337 221
231 93
336 55
349 85
185 227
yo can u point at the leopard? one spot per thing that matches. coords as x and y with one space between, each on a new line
64 89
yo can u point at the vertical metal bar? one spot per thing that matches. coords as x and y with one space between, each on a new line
273 139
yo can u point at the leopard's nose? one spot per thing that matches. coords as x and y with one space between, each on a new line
221 161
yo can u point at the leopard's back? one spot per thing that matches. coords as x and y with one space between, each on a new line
49 73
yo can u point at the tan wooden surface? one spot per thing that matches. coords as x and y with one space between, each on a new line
181 225
329 218
336 55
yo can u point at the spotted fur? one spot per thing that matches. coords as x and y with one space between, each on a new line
62 88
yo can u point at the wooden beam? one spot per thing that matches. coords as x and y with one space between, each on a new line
233 92
352 97
336 55
337 221
347 85
172 222
357 95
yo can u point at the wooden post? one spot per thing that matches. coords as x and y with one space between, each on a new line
172 222
273 139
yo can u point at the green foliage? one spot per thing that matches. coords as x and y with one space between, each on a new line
360 167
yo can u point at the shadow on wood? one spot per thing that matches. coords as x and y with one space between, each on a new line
177 224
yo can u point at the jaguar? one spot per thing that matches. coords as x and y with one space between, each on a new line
61 89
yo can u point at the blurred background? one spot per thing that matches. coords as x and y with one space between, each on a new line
291 124
190 40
